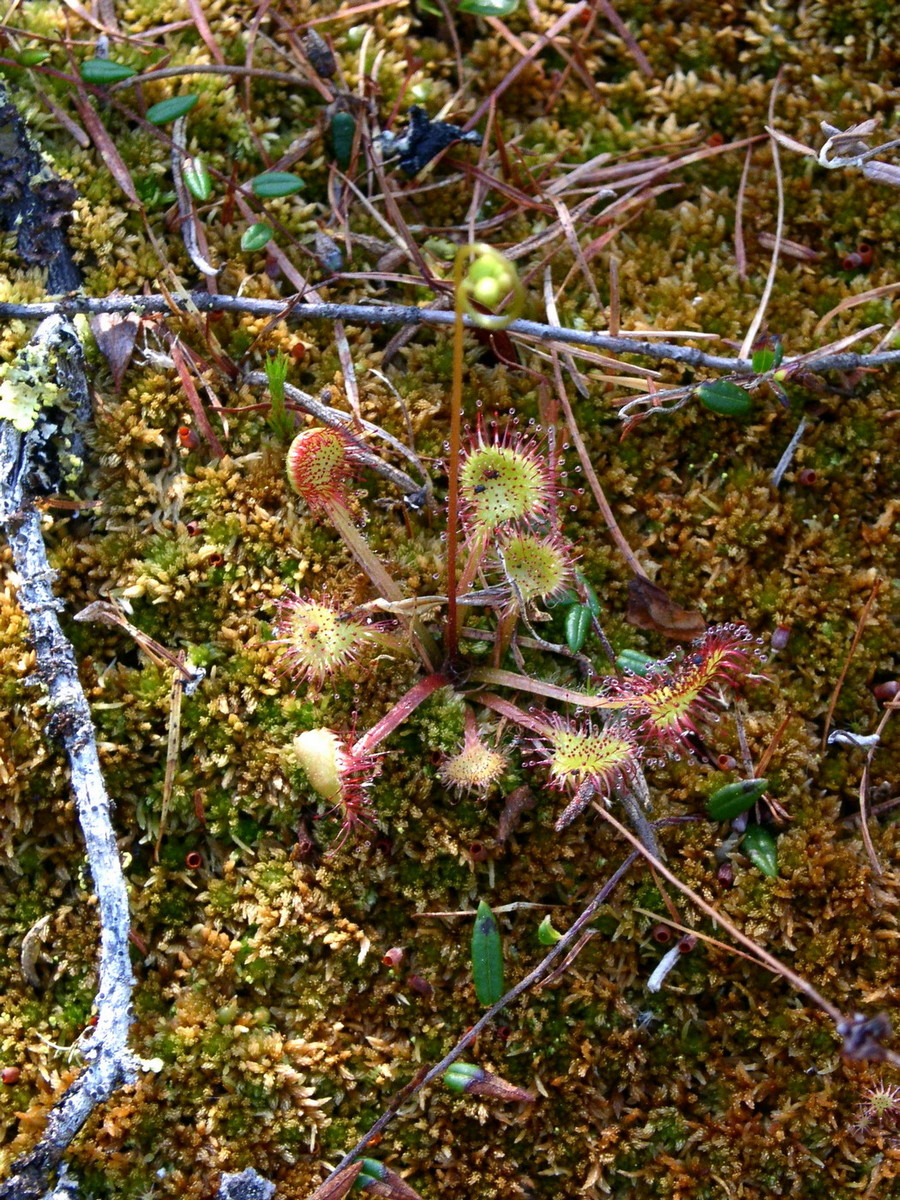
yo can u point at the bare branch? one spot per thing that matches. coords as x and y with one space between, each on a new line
109 1061
638 343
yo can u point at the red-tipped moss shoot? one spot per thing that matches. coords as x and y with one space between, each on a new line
476 767
667 704
316 639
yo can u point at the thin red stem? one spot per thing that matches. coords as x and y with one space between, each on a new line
406 705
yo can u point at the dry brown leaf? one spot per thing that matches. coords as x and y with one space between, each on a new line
115 335
650 607
338 1187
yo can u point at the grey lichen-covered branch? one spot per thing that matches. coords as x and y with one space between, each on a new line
294 310
43 402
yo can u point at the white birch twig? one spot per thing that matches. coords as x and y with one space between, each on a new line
23 461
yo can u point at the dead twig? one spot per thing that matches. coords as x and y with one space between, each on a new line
110 1063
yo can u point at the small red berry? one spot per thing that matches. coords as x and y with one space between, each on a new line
10 1075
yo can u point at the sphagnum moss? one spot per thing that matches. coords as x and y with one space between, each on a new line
262 989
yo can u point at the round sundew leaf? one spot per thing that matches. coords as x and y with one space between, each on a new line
734 798
272 184
256 236
725 398
760 847
105 70
171 109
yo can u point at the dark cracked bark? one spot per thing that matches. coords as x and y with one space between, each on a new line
34 202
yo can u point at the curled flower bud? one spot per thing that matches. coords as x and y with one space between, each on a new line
485 276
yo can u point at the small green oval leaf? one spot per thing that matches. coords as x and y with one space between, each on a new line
487 957
272 184
197 178
343 131
760 847
763 360
725 398
734 798
590 596
105 70
633 662
459 1075
488 8
547 935
256 236
578 624
171 109
33 58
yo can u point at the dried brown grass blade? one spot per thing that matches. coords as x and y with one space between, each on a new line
338 1187
193 397
106 147
202 26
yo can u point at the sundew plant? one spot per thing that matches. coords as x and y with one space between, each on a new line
448 661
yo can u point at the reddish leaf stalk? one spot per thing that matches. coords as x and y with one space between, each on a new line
406 705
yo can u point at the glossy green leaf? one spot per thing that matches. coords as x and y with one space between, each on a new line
171 109
256 236
487 957
105 70
590 596
197 178
547 935
763 360
33 58
488 8
272 184
459 1075
578 624
343 131
734 798
760 847
633 662
725 398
